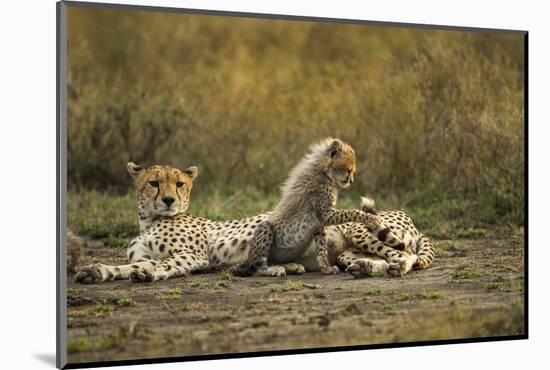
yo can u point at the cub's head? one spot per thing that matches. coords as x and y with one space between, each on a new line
162 190
341 163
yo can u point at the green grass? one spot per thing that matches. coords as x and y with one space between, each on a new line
389 310
405 296
228 277
97 309
124 302
102 308
289 285
199 284
378 274
113 218
494 286
79 345
471 233
174 293
375 292
466 274
453 246
101 343
100 215
402 296
430 295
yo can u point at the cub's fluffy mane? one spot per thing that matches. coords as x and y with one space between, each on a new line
312 164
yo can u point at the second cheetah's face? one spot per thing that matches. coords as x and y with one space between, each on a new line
342 163
162 190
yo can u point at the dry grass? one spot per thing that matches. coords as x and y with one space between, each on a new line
434 110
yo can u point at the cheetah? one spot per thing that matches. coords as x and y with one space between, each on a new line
171 242
306 207
357 251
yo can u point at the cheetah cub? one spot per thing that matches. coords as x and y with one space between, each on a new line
307 205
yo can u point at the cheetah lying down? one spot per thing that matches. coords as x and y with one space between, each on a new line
173 243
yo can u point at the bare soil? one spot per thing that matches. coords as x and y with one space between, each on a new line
473 289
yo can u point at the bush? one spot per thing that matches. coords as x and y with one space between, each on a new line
427 111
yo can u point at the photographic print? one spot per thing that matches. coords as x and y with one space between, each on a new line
244 184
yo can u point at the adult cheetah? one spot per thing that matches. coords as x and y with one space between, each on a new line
172 242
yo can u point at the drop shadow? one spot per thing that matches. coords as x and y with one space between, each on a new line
47 358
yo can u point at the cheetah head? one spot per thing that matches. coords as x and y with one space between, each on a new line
162 190
341 163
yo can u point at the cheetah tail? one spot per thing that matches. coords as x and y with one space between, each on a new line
368 205
425 252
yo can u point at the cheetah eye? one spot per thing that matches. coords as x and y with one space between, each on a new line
179 184
154 184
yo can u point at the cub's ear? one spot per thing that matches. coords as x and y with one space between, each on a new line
192 172
335 148
134 170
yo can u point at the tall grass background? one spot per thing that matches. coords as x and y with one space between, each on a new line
436 117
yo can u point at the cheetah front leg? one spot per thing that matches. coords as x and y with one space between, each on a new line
320 240
179 264
139 256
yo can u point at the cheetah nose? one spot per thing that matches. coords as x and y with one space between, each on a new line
168 201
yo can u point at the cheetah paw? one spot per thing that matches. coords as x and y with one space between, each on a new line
142 275
397 268
360 269
274 271
89 275
294 269
330 270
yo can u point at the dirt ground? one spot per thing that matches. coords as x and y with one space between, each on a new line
473 289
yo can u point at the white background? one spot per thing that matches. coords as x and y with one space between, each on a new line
27 183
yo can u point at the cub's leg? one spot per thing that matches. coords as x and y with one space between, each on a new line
359 264
179 264
139 255
320 240
260 246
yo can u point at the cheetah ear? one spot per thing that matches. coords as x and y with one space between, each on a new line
335 148
192 172
134 170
